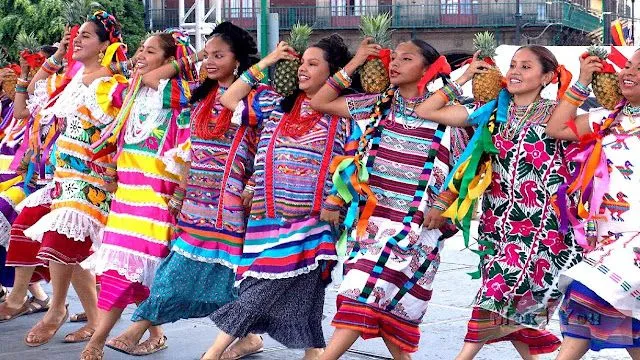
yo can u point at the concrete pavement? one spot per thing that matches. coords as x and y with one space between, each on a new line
443 329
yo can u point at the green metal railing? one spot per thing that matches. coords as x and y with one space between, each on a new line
412 16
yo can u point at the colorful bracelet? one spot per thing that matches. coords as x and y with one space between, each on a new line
253 75
51 66
576 95
55 61
22 82
21 89
451 90
179 194
581 88
339 81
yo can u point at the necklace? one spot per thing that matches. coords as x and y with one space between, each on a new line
521 116
406 108
208 126
143 120
295 123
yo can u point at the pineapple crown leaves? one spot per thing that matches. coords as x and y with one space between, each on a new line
377 27
486 43
299 37
26 41
599 51
77 12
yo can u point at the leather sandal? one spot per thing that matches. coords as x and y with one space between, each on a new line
81 335
121 345
150 346
92 353
42 333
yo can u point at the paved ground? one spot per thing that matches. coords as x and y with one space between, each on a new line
442 332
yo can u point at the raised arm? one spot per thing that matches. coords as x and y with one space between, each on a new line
53 64
241 87
558 124
435 107
169 70
20 110
327 99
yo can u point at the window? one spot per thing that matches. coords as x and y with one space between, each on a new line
456 7
348 7
240 8
542 12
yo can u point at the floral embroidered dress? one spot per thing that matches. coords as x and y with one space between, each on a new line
519 228
198 275
602 303
149 168
410 149
80 202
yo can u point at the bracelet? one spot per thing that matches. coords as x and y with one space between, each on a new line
21 89
591 228
343 74
580 87
452 90
176 66
179 194
51 66
575 95
55 61
23 82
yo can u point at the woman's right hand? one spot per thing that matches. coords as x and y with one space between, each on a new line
476 66
588 66
247 197
64 43
282 52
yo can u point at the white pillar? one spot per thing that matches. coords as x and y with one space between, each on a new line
181 13
199 23
218 11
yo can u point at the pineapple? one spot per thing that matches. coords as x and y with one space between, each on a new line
285 77
605 85
487 86
373 74
28 42
8 81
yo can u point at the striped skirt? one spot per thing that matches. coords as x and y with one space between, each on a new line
22 250
585 315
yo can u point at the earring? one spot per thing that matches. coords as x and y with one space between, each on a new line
235 71
100 56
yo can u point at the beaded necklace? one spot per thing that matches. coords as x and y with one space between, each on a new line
406 107
632 112
207 125
521 116
295 123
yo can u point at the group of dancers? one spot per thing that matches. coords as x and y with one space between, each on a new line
213 195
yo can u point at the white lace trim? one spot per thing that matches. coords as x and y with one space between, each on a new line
39 197
39 97
148 103
5 229
288 274
204 259
70 223
171 156
134 266
91 101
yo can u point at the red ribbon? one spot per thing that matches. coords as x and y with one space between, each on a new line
563 78
35 60
385 56
73 34
607 67
440 66
15 68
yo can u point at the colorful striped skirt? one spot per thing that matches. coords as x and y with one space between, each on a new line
23 251
278 248
585 315
118 292
61 249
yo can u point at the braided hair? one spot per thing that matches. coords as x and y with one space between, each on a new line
107 27
243 47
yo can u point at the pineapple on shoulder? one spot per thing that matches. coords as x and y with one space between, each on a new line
373 74
9 77
486 86
605 84
27 44
285 77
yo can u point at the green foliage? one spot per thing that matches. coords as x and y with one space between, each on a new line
46 20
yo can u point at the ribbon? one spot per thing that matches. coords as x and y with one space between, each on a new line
607 67
471 175
385 56
35 60
15 68
617 58
117 50
440 66
72 36
562 77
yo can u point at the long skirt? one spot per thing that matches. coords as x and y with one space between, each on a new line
116 291
184 289
23 251
289 310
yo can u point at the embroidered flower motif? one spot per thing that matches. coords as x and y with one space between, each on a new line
503 146
496 288
554 242
537 154
521 227
528 193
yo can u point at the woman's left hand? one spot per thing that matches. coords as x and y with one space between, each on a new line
434 219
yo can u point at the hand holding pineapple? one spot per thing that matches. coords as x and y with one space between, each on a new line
366 49
476 66
588 66
64 44
282 52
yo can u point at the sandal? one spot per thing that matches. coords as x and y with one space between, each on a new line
120 345
236 351
92 353
37 306
8 314
150 346
3 293
43 333
79 317
81 335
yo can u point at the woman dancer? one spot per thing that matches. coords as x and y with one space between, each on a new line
288 250
601 307
80 194
401 225
197 277
139 226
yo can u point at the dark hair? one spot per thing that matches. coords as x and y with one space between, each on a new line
336 53
167 44
429 53
545 57
243 47
107 29
48 50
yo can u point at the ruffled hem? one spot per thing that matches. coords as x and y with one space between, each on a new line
70 223
134 267
176 159
287 274
39 197
203 259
